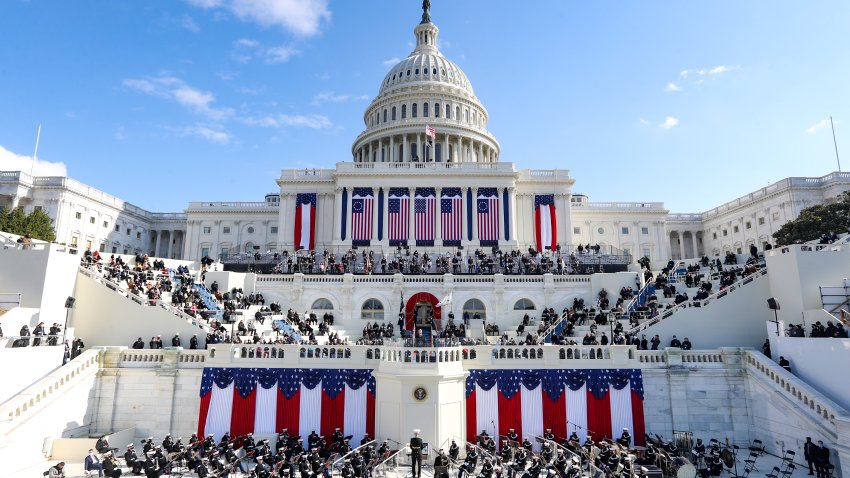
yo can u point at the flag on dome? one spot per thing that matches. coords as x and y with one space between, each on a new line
398 216
430 132
488 216
595 402
305 221
545 221
361 216
267 400
451 210
424 214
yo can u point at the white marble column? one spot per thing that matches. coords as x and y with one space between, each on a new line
392 149
681 245
170 242
404 149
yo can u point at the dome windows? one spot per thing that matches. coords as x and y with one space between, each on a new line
448 112
408 72
393 113
413 112
385 115
436 110
417 71
424 110
403 111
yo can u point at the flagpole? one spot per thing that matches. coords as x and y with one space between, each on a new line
834 143
38 136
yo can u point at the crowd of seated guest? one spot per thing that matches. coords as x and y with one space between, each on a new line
819 330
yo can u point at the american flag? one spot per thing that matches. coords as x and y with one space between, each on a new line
430 132
488 215
451 211
361 215
424 205
399 215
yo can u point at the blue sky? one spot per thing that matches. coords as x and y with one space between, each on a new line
162 103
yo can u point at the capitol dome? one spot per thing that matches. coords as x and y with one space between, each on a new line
426 111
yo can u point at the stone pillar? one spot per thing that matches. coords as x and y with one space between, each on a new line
154 243
391 156
696 246
458 150
681 245
404 149
337 211
170 242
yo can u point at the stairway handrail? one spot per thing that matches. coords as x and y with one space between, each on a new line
702 303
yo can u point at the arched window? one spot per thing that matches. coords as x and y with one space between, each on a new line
438 151
400 157
372 309
413 111
424 110
413 153
524 304
393 113
473 306
466 116
448 112
436 110
322 304
385 115
457 113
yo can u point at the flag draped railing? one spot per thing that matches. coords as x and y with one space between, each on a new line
451 214
305 221
488 216
425 204
598 403
267 400
398 216
361 216
545 222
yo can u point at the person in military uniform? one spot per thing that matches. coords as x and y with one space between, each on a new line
202 470
312 440
151 468
625 438
526 443
469 464
132 460
416 455
513 437
549 435
454 451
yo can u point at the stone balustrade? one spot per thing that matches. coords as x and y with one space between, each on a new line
19 407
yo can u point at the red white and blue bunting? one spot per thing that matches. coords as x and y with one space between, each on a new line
595 402
267 400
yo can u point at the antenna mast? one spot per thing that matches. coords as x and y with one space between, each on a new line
834 143
35 154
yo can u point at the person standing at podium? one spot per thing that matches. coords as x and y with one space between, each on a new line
416 455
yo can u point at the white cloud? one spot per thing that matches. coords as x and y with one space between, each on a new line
189 24
281 54
331 97
247 42
643 121
719 69
818 126
672 87
392 61
669 123
175 89
10 161
283 120
684 73
300 17
213 135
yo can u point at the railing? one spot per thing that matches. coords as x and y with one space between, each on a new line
665 314
414 166
792 387
213 309
16 341
234 205
9 301
654 206
387 463
557 326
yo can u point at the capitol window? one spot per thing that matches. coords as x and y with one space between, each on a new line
725 233
117 228
475 306
524 304
457 113
322 304
776 216
761 221
250 230
226 230
393 113
436 110
105 224
735 228
408 72
417 71
413 111
644 231
576 230
625 230
206 229
448 112
274 230
748 225
79 215
434 71
372 309
601 230
385 115
403 111
424 110
714 235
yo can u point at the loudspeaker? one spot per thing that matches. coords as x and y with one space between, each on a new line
69 302
772 304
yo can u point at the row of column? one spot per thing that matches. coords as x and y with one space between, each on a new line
454 148
438 234
171 234
682 244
